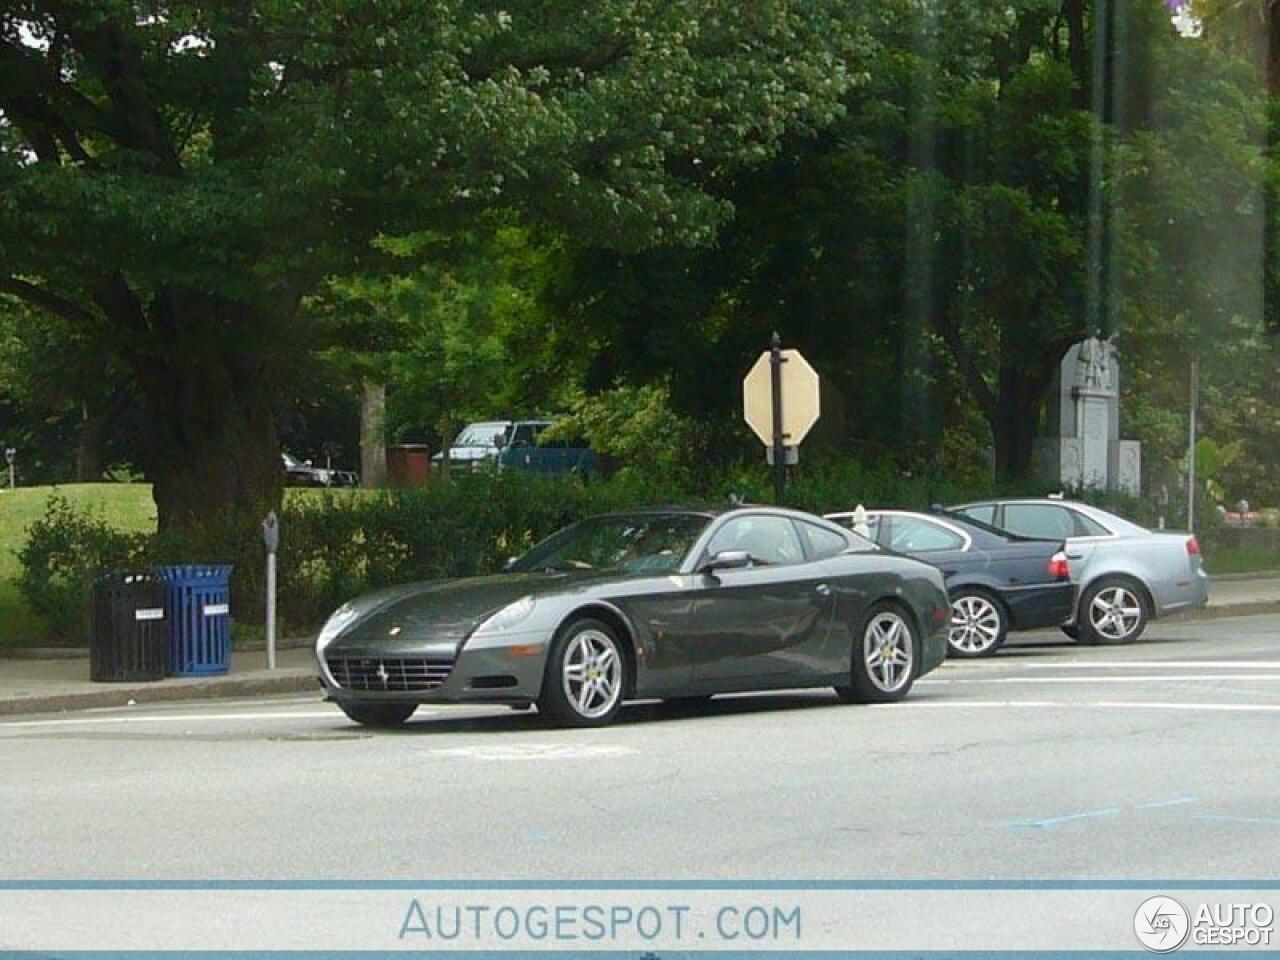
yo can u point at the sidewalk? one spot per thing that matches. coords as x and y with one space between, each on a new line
60 681
39 686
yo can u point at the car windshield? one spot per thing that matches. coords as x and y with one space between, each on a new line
648 543
479 435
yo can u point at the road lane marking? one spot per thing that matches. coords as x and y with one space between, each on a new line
1054 821
1138 678
1158 804
534 751
1073 705
1155 664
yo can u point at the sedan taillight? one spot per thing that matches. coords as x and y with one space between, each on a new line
1193 546
1059 568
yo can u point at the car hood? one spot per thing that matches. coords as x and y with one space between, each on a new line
448 610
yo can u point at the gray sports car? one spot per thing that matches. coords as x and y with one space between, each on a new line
672 603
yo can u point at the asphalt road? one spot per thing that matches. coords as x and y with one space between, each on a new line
1158 760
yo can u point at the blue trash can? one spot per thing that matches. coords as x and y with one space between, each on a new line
197 606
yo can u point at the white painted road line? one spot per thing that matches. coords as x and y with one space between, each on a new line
1138 678
1075 705
1157 665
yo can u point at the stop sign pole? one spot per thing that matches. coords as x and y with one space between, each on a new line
781 404
776 360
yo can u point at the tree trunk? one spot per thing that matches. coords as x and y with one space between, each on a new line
89 447
373 435
211 391
1017 419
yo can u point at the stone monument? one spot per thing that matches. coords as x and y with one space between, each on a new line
1082 447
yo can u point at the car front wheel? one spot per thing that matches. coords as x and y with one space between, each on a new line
1111 612
884 659
378 714
586 676
978 624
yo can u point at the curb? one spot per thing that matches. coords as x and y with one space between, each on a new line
1246 575
119 695
1250 609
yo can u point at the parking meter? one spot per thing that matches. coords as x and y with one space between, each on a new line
271 537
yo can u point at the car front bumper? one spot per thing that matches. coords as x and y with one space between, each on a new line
482 670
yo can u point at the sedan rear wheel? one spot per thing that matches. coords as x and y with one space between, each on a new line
586 676
378 714
978 625
884 660
1111 612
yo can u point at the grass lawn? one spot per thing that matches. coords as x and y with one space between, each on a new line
124 505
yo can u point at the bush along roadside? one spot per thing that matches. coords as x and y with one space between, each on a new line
332 546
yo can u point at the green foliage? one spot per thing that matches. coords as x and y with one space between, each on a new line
65 549
635 427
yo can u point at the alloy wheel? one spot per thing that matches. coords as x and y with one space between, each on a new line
1115 613
975 625
592 673
888 651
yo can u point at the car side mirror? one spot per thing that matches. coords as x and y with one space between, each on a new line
728 560
511 562
306 463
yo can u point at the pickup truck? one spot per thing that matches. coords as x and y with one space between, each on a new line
517 445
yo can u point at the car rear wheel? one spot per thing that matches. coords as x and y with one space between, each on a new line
1111 612
378 714
978 624
586 676
884 657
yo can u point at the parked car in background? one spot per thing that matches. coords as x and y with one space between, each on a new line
997 582
670 603
518 445
301 473
1126 574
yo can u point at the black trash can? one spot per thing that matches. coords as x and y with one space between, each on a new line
130 637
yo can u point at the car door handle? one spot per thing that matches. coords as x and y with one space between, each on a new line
822 590
1075 556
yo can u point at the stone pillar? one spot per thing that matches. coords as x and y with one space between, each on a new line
1094 417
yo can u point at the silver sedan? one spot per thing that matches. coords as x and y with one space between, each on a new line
1127 574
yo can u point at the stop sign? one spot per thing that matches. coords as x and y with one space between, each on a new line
800 398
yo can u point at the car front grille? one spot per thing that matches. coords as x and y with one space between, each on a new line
389 673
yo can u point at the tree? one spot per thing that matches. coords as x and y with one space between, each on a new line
176 177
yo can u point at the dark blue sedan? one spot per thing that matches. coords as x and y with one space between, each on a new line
997 582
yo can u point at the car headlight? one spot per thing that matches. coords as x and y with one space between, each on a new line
511 614
341 619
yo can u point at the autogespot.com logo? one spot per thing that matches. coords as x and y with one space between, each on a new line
1161 924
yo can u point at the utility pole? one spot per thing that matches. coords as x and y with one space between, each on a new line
1191 447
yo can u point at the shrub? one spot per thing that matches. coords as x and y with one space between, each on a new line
65 549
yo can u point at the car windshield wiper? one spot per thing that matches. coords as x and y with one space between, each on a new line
568 566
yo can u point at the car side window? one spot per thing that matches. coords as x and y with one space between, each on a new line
769 539
524 435
1086 527
983 512
1046 521
911 535
823 543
